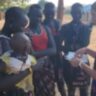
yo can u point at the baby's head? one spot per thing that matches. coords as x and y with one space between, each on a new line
21 43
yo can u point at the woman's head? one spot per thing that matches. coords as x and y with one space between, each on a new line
15 20
49 10
35 14
76 12
93 12
20 43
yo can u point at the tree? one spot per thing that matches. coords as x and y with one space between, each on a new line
21 2
4 3
8 3
60 10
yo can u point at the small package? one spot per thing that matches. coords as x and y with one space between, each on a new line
71 55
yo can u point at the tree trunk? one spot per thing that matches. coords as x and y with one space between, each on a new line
60 10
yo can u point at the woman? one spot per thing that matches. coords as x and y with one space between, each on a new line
43 45
15 21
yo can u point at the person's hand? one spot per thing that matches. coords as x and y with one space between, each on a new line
80 52
75 62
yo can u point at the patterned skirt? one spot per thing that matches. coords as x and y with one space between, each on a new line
43 80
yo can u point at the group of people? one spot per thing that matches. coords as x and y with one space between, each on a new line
31 59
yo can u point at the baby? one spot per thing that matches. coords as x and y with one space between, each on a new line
18 60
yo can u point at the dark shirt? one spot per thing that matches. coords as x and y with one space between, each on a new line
75 36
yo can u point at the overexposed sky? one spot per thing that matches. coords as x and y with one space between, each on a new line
67 2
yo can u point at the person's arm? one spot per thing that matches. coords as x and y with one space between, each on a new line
91 52
51 50
8 81
86 51
89 71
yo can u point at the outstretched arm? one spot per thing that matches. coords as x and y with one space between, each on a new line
86 51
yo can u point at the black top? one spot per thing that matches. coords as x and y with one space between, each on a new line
75 36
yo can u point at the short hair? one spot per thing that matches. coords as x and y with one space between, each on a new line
49 5
32 9
16 15
76 5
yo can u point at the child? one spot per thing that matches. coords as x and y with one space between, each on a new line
18 60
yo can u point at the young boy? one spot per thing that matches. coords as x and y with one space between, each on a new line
18 60
75 35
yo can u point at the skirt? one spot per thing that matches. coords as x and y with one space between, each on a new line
43 80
